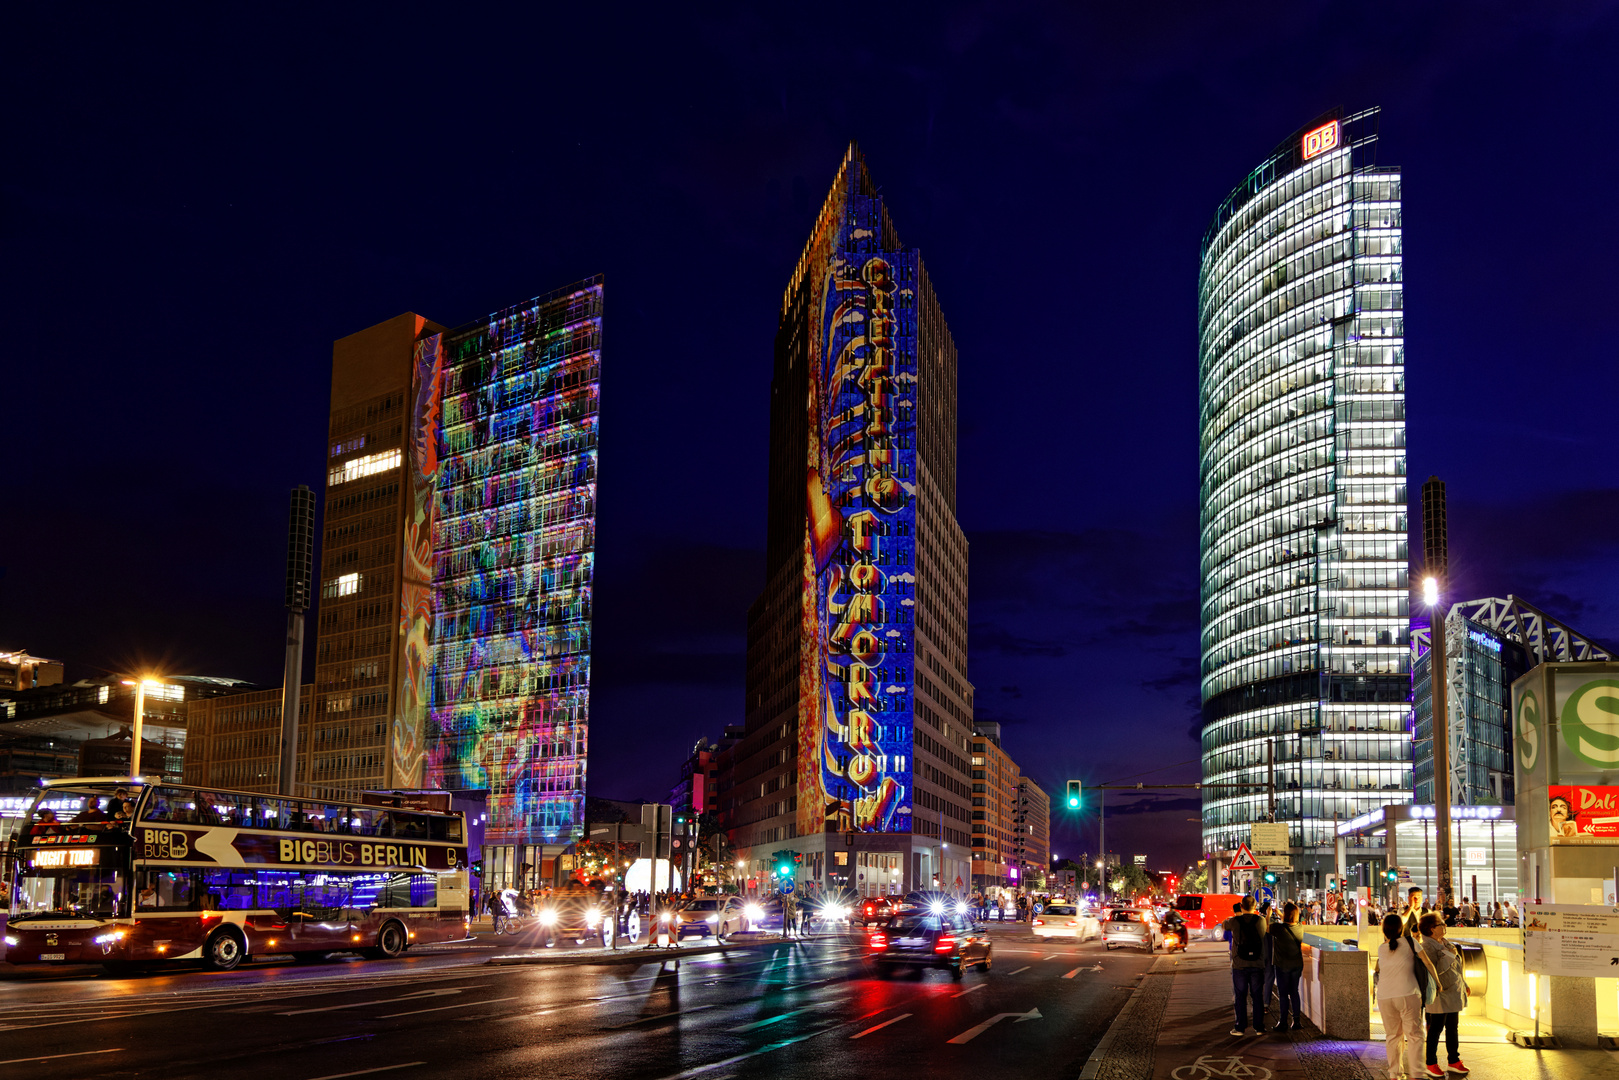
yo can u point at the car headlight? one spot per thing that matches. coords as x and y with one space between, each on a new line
713 918
961 908
754 912
548 918
937 907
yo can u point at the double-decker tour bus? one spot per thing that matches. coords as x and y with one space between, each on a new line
126 871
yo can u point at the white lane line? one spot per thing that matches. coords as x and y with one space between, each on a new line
661 1016
700 1069
441 992
971 990
783 1016
53 1057
1071 974
1053 956
879 1027
1021 969
441 1008
368 1072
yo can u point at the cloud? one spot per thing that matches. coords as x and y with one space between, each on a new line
990 638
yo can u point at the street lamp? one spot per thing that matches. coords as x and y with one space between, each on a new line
140 684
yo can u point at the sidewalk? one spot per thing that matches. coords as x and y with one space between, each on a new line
1177 1025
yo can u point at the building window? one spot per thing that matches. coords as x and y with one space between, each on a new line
354 468
342 585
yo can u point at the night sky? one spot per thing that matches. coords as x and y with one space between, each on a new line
196 205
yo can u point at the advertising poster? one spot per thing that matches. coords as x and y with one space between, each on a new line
1580 813
1570 939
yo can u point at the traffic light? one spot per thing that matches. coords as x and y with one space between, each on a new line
1270 877
1391 876
784 864
1073 794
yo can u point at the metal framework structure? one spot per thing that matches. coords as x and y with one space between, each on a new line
1546 638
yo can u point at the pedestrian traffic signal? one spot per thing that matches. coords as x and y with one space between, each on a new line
1073 794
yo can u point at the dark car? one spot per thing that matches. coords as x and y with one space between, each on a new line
923 938
875 910
577 916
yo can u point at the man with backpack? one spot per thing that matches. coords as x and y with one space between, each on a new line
1247 931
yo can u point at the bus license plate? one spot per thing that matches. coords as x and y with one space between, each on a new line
53 956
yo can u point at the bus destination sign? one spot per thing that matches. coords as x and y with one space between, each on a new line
232 847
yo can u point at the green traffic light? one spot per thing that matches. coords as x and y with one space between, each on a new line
1073 800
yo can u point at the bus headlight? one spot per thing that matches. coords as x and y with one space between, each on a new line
548 917
107 939
12 941
592 917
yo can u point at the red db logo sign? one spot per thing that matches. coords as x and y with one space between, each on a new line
1321 140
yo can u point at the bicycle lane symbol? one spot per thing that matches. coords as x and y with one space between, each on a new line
1232 1067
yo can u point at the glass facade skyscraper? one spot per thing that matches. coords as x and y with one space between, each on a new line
510 505
1304 561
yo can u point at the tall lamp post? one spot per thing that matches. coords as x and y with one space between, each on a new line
140 683
1436 557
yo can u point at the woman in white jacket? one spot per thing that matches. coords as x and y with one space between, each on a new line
1399 1000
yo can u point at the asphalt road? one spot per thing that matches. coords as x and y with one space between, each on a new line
780 1010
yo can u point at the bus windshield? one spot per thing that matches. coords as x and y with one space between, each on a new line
95 891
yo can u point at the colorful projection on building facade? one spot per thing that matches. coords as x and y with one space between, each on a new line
859 573
408 736
515 550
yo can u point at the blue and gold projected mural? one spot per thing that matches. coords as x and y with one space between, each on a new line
859 560
514 550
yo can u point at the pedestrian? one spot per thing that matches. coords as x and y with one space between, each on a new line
1247 932
1270 970
1285 943
1412 915
1399 1000
1447 995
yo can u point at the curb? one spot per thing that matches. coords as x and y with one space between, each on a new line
640 954
1093 1064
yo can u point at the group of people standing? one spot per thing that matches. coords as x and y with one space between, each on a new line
1419 973
1418 976
1267 954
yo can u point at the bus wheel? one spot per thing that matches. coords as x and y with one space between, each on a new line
390 942
224 950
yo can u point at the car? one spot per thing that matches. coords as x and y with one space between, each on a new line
1066 920
1132 926
875 910
923 938
711 916
763 913
576 915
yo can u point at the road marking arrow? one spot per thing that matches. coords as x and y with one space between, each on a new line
972 1033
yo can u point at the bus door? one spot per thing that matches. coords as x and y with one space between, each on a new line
321 918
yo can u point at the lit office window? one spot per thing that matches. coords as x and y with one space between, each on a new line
354 468
343 585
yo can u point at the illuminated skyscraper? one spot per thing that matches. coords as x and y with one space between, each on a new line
859 714
1304 555
453 645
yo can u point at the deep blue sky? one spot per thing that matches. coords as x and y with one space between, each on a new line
196 205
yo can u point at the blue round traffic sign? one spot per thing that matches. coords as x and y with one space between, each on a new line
786 887
1266 893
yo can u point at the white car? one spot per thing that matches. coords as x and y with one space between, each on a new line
1066 920
711 916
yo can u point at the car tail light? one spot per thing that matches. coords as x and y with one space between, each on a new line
946 943
1039 922
878 941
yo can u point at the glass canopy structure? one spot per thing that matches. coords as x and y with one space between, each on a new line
1304 562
